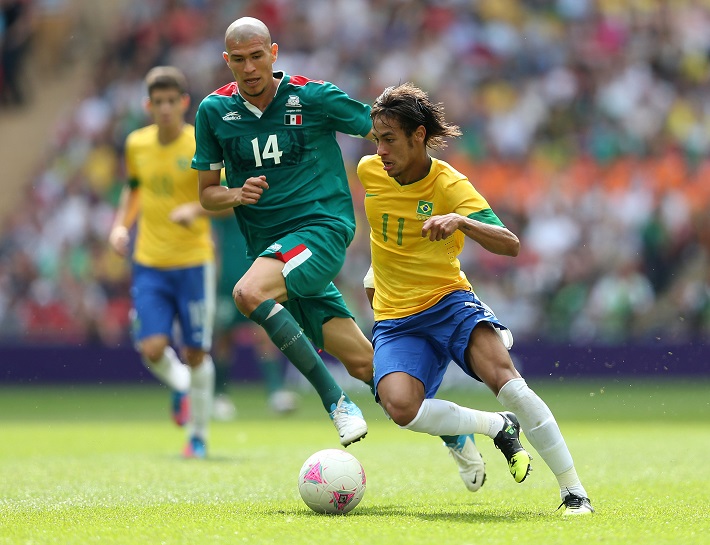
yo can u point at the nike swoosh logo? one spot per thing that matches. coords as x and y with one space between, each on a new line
370 195
475 478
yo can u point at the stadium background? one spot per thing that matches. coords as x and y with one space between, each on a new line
586 125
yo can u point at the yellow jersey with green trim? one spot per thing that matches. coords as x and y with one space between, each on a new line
413 273
165 180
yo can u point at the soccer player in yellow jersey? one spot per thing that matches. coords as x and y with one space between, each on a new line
173 260
420 211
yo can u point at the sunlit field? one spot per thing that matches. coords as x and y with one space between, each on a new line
102 465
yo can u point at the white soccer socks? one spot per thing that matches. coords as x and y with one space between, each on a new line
170 370
201 396
441 417
541 429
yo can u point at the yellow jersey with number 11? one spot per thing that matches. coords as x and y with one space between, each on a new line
413 273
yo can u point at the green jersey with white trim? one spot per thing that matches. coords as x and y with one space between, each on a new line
293 143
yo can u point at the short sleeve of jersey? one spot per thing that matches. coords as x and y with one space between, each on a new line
470 203
208 151
486 216
346 114
131 171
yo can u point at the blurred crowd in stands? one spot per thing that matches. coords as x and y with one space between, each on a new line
586 125
16 30
34 31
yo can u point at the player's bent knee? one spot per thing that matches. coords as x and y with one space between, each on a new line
401 413
194 357
152 350
248 295
244 300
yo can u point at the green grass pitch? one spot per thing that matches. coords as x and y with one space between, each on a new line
86 465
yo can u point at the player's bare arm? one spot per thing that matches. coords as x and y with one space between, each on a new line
216 197
493 238
128 208
213 195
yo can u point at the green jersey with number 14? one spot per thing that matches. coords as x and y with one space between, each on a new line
293 143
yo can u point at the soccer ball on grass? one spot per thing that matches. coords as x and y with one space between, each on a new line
332 481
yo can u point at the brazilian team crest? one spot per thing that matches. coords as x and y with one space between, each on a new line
424 209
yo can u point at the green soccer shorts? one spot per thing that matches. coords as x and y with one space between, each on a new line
312 257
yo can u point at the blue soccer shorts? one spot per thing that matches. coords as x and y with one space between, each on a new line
423 344
182 296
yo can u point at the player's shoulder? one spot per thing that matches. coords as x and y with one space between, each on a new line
220 96
226 91
368 162
142 136
305 86
188 129
303 81
446 172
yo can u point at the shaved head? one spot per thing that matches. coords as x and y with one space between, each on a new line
245 29
250 56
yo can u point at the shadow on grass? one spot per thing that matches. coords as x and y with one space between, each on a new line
467 514
211 459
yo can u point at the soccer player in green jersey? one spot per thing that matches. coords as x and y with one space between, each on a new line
275 136
173 276
421 210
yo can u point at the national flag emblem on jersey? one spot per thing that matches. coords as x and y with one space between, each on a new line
425 208
293 119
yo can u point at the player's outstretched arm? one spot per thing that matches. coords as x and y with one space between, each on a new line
494 238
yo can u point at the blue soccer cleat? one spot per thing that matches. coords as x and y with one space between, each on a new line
195 448
348 420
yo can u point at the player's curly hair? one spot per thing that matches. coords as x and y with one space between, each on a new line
409 107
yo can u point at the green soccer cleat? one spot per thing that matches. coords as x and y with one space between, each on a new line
508 442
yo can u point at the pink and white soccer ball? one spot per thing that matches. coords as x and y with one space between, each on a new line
332 481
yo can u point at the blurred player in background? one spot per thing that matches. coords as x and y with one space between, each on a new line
420 211
173 276
274 134
233 329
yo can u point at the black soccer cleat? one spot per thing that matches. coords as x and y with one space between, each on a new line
576 505
508 442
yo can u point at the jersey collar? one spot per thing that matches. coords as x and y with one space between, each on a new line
282 78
